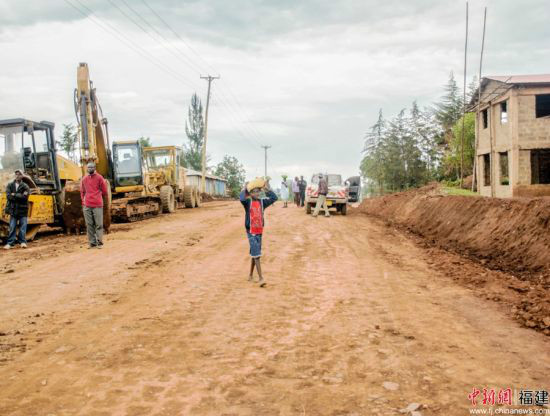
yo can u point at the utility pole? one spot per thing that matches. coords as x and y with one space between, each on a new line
265 149
203 181
464 103
475 182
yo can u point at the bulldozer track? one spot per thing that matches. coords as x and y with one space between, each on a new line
135 209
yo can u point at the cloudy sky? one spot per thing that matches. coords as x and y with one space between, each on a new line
306 77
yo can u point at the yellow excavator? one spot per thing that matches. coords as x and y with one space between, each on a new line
30 147
122 169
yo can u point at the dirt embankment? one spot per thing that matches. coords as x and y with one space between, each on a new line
509 235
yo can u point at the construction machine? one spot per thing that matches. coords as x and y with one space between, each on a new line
122 169
165 177
30 147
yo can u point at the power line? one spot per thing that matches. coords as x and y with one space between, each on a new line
182 57
236 118
228 117
222 100
113 31
131 19
165 23
178 36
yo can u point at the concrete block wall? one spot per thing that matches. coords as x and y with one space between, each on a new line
524 168
484 145
518 136
502 131
532 132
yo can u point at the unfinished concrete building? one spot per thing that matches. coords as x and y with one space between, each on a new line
513 136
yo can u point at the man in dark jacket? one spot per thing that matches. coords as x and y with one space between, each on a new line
17 207
254 207
302 184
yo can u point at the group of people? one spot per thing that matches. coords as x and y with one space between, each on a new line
93 189
298 188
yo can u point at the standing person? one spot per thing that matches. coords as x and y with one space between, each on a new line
296 191
302 184
17 207
254 222
92 191
284 193
322 199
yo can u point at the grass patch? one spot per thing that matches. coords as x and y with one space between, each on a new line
448 190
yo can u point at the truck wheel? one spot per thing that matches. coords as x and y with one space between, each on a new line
189 196
308 208
167 199
344 209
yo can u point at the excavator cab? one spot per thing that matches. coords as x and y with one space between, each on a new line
128 166
30 147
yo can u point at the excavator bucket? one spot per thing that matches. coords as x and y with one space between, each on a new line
73 217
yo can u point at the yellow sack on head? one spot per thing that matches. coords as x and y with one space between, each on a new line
256 183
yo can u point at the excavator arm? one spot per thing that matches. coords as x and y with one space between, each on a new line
94 147
93 127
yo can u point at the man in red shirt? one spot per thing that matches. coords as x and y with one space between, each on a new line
92 191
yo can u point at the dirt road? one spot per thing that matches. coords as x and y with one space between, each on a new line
163 322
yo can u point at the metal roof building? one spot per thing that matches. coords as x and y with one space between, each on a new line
215 185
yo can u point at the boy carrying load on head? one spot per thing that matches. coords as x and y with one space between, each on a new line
254 207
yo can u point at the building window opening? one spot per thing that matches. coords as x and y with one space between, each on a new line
542 105
503 161
504 112
485 116
540 166
486 170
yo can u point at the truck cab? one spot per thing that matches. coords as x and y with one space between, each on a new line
337 196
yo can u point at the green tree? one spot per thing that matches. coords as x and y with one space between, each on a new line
69 140
451 163
233 171
393 157
194 128
371 165
449 109
427 132
145 141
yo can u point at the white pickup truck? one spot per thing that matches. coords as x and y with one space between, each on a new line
338 193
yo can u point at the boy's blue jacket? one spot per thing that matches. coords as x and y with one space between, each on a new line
245 200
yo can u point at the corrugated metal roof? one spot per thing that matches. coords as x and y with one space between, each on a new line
522 79
191 172
507 82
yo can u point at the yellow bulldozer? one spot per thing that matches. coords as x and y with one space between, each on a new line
165 177
30 147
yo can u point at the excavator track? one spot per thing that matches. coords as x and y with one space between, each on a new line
135 208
